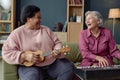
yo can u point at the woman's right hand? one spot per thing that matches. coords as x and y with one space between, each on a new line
27 56
102 61
34 57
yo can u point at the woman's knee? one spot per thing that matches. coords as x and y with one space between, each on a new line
31 73
66 75
66 64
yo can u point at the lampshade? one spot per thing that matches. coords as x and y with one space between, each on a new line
114 13
6 4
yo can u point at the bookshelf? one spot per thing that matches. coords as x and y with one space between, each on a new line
75 18
7 20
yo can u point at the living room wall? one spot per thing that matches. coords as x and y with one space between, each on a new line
55 11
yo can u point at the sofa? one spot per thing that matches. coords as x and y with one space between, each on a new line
10 71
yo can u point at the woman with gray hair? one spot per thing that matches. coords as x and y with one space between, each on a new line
97 44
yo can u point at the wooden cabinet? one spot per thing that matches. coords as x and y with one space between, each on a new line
7 19
75 18
73 31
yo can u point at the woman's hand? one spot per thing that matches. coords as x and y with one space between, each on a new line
102 61
26 57
55 53
30 57
37 58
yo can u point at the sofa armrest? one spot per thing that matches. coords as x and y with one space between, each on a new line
9 71
117 61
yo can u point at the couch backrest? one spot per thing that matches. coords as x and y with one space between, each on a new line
117 62
118 45
74 55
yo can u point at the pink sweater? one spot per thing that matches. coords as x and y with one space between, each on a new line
23 39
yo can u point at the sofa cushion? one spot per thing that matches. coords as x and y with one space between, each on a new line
74 54
117 62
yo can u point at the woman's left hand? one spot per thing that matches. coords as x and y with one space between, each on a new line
55 53
102 61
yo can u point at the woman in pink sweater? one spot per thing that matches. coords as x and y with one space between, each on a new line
26 42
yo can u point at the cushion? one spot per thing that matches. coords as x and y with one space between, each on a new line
74 54
117 62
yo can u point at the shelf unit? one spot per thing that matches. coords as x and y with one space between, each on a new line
7 21
75 18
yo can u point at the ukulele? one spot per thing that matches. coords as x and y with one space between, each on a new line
43 54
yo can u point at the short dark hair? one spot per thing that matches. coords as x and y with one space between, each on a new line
28 12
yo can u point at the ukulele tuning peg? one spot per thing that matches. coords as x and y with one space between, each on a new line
66 45
65 53
68 53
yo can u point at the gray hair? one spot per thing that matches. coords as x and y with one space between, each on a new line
97 15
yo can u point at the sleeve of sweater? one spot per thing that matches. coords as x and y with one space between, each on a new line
10 50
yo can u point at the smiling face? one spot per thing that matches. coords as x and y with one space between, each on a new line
35 21
91 21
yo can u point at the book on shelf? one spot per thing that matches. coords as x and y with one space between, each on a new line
70 1
75 2
0 53
6 16
2 41
3 38
78 1
8 27
5 27
9 16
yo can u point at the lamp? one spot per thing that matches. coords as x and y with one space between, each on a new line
114 13
6 4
